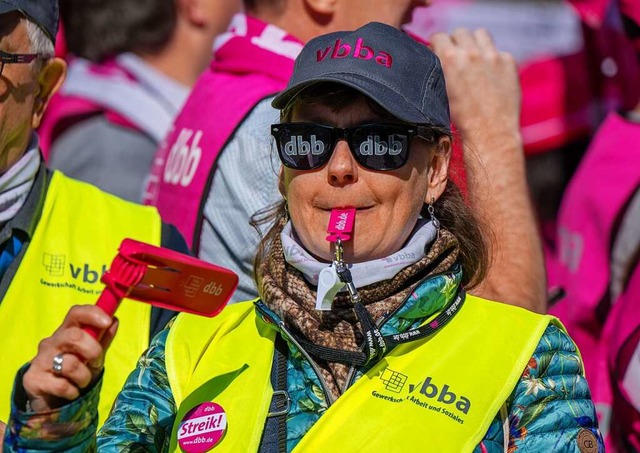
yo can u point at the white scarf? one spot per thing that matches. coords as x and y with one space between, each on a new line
16 182
365 273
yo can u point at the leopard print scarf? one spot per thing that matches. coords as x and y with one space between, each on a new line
285 291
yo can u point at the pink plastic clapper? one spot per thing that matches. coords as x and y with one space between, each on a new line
165 279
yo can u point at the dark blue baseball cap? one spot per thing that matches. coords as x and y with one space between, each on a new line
44 13
383 63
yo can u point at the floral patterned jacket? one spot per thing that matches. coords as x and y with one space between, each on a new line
550 410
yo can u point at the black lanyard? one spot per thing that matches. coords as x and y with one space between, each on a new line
377 345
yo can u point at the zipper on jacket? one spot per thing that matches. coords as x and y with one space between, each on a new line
350 376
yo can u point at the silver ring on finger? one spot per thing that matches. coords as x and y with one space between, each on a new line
57 364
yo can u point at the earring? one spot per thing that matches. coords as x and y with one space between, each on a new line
286 208
432 213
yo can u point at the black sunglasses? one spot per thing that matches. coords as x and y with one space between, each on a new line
305 146
12 58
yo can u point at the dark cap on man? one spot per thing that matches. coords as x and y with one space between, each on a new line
44 13
385 64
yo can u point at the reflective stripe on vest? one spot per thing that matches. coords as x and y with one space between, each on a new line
424 393
74 242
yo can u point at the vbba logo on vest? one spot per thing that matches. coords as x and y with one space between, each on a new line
57 265
443 395
356 50
432 396
54 264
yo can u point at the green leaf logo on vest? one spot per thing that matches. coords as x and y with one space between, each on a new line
429 394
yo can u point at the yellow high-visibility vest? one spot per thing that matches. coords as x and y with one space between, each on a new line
74 242
438 394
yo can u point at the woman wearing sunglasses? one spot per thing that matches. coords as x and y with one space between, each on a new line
364 338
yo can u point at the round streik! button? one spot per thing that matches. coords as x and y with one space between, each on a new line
202 428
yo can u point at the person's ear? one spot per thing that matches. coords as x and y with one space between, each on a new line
322 7
439 158
49 79
194 11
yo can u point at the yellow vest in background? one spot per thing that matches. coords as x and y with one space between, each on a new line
439 394
75 240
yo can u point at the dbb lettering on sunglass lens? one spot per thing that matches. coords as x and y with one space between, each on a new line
380 146
373 145
297 146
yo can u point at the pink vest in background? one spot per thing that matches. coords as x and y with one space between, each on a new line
251 62
630 10
560 69
110 89
592 11
621 343
606 179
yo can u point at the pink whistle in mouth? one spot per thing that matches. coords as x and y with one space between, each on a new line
341 224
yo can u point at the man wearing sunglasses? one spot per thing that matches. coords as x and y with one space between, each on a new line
57 235
215 170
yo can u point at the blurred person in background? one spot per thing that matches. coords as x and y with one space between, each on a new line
57 235
574 67
216 169
131 66
598 259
